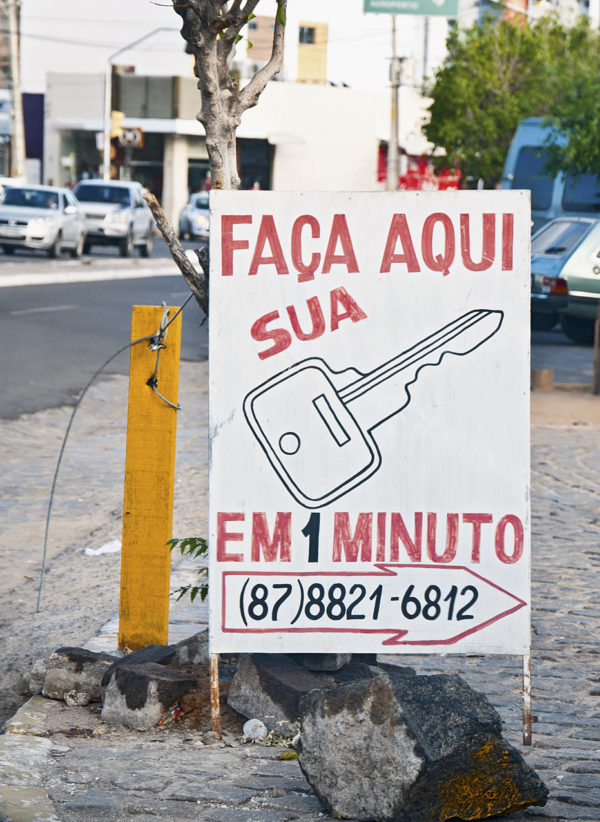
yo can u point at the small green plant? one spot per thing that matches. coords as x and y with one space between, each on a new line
193 547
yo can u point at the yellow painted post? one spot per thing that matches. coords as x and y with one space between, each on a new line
149 481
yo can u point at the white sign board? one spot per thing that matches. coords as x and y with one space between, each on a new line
369 422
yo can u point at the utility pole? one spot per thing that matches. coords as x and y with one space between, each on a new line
392 158
17 164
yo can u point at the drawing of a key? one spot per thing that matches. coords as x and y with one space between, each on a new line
316 425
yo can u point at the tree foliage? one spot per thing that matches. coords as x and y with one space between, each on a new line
497 73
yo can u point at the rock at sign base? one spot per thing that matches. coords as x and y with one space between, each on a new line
137 696
76 669
268 687
323 662
397 748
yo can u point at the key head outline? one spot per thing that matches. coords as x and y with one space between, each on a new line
315 474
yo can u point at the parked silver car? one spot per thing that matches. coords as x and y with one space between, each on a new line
194 219
565 276
116 214
47 218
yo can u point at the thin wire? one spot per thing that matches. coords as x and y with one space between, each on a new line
158 344
180 309
157 340
60 456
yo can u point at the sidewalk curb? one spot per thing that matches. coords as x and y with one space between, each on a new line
23 753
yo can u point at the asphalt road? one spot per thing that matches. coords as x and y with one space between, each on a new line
54 336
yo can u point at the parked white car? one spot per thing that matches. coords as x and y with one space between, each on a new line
47 218
116 214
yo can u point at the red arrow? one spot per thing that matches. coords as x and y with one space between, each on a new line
398 635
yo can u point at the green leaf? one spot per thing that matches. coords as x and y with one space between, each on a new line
238 37
251 16
280 16
194 547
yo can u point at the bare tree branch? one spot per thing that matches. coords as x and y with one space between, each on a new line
196 283
249 95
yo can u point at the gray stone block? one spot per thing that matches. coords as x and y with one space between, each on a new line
192 650
404 748
137 696
323 662
269 687
75 669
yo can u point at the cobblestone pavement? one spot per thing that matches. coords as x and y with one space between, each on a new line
78 773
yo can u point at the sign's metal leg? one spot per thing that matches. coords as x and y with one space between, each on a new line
527 698
215 708
596 370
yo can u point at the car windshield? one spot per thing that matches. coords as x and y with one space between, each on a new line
30 198
200 201
115 195
530 172
559 237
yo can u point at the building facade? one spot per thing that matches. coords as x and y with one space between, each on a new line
301 136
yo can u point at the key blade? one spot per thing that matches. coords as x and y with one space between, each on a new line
384 391
477 329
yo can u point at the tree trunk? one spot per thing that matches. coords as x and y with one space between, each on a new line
222 153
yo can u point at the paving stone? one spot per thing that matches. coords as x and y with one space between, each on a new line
297 804
211 792
153 782
265 783
95 799
239 815
584 767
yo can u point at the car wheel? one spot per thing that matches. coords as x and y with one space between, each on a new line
8 249
578 329
543 322
56 249
77 251
148 245
126 245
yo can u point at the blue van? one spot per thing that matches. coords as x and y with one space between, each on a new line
565 195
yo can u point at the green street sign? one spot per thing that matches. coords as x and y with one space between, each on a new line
440 8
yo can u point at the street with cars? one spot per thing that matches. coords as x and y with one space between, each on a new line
61 319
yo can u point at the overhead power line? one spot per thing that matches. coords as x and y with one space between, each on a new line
83 43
